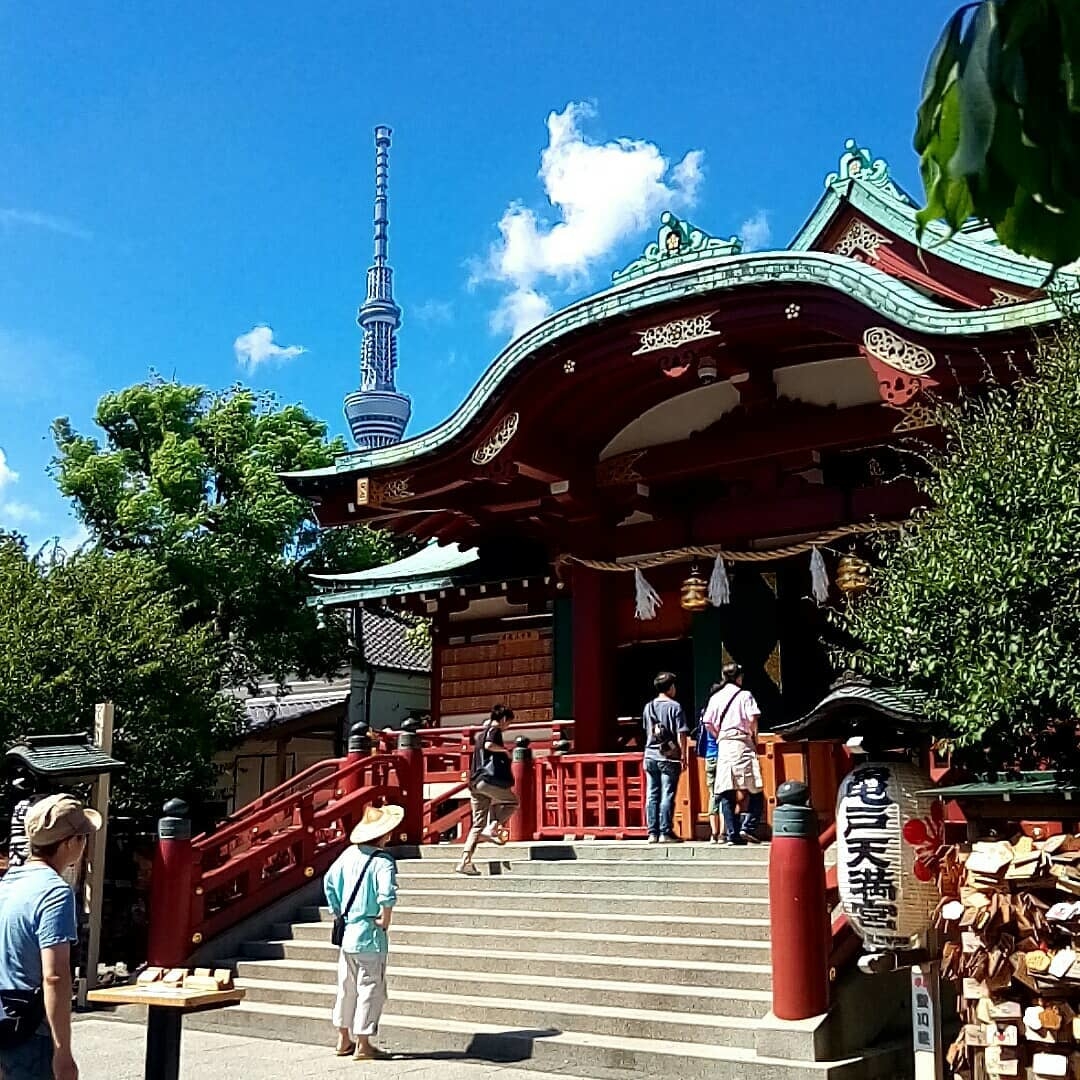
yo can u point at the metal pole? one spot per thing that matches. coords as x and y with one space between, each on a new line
95 872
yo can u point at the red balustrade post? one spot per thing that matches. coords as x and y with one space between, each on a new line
410 754
797 910
523 823
170 934
360 746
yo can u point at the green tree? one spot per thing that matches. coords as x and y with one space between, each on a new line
93 627
998 132
978 602
190 478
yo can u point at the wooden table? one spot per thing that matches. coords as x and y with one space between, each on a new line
166 1007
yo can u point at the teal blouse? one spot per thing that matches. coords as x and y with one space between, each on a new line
378 890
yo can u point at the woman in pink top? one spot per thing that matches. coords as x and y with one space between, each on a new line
732 715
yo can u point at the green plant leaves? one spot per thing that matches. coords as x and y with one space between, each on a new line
998 127
978 603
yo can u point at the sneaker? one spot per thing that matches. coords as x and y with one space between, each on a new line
668 838
751 838
714 839
654 839
737 841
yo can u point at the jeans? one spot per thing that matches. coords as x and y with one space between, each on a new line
31 1060
755 807
662 777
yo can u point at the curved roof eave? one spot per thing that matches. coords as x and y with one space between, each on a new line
881 293
899 218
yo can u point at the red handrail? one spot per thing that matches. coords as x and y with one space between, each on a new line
265 854
596 795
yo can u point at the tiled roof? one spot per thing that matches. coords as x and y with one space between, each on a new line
858 709
267 711
433 559
63 756
387 646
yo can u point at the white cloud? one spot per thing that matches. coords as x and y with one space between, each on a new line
756 232
7 474
257 347
433 311
600 193
33 219
18 513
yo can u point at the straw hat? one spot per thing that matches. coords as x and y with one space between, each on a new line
377 821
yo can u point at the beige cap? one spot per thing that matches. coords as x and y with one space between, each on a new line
57 818
377 821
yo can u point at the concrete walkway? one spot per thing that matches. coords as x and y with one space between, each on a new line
114 1049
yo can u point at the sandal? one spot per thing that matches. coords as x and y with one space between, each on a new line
467 869
374 1054
347 1052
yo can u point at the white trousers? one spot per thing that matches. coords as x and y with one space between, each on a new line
361 992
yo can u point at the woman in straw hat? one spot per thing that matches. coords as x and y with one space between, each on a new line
361 889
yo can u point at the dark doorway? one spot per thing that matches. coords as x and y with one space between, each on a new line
639 663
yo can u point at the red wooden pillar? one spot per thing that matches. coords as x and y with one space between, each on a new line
798 915
170 941
523 823
411 754
593 622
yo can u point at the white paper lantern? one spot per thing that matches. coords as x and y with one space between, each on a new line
886 838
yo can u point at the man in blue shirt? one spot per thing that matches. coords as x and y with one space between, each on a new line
37 930
362 886
666 753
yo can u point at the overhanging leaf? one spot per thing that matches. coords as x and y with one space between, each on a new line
976 92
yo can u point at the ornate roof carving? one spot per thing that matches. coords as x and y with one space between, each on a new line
677 242
857 163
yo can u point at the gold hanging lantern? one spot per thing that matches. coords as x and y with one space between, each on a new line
852 575
694 594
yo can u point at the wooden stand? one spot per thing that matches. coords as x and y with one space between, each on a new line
165 1008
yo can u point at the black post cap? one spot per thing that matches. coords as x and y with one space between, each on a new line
793 793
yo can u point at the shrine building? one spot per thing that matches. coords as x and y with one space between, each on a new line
668 473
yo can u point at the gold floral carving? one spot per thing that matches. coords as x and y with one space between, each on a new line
619 470
859 237
890 348
1004 299
916 416
397 489
671 335
498 440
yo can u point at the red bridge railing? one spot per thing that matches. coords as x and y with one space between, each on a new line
286 838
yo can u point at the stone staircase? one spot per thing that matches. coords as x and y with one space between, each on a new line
597 959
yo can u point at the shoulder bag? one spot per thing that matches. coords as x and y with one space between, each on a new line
337 935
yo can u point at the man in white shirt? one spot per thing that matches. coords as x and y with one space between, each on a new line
732 716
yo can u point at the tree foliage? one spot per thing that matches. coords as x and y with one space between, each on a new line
978 603
998 130
94 627
190 479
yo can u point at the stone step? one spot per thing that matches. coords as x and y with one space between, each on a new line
613 904
516 922
686 950
581 993
597 851
720 977
644 883
603 1057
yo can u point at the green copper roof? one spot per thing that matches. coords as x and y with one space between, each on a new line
431 568
870 190
858 709
871 287
63 757
1043 784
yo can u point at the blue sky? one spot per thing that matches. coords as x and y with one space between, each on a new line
174 176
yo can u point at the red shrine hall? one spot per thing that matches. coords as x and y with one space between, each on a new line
682 468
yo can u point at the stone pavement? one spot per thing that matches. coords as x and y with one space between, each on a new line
113 1050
